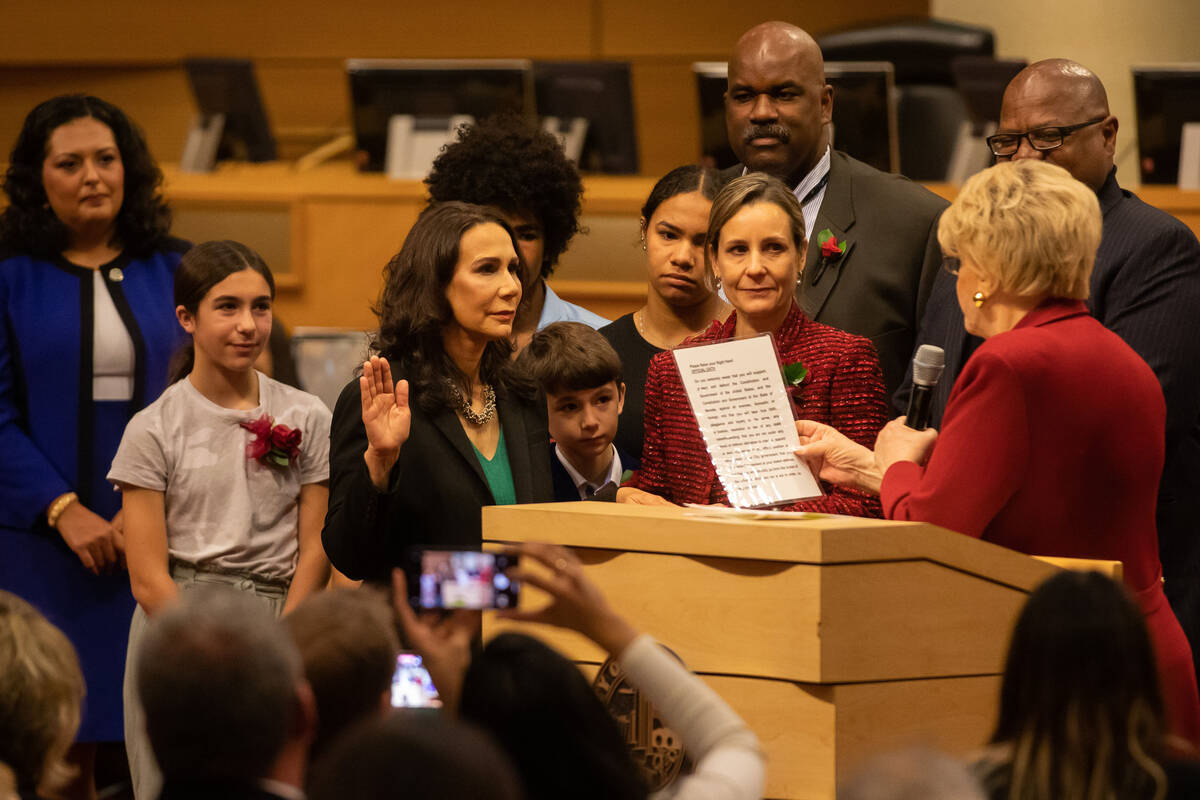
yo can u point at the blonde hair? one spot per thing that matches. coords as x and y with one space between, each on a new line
756 187
41 689
1029 226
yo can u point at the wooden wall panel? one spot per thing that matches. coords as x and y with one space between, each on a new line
133 30
128 51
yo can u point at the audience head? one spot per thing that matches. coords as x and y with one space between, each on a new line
917 774
522 170
348 645
580 374
756 244
1059 93
457 273
222 688
81 167
41 688
542 711
1025 229
223 292
674 226
417 757
1081 713
778 104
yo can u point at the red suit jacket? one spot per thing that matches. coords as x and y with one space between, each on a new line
843 388
1052 444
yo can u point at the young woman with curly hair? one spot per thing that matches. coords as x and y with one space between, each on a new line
86 330
412 460
506 163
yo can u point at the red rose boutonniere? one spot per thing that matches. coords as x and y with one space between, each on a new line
830 246
272 445
831 252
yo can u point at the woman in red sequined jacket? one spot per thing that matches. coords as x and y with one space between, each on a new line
756 244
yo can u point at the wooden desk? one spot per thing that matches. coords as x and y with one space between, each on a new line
329 232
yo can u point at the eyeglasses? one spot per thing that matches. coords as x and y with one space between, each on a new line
1049 138
951 265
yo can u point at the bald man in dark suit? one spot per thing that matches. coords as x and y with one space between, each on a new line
872 236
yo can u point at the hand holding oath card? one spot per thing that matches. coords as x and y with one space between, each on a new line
835 458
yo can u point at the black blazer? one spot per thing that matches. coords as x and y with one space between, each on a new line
1145 287
878 286
437 485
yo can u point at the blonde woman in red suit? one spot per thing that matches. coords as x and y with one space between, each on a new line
754 250
1053 437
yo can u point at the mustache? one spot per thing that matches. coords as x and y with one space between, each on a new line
768 132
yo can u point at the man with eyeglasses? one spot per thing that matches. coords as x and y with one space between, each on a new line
1145 287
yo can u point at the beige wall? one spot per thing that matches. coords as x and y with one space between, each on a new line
1108 36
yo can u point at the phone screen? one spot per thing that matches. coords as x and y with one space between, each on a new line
411 685
447 579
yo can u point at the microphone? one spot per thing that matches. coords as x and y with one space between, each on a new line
928 364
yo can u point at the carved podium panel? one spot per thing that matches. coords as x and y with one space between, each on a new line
833 637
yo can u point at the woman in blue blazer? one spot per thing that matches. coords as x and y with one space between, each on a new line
87 327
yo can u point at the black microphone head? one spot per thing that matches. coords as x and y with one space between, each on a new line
928 364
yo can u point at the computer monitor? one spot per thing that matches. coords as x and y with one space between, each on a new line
430 89
864 112
981 81
227 86
600 92
1165 97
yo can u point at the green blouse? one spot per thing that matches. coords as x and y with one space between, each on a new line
498 473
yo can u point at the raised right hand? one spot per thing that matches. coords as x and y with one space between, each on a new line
99 545
385 413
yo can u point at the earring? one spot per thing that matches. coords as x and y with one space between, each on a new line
643 241
978 299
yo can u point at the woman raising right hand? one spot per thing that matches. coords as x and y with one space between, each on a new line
439 425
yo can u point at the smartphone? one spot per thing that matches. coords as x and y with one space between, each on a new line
411 685
449 578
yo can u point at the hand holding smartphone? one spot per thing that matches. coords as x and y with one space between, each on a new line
457 578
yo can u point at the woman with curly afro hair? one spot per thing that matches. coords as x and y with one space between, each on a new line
522 171
87 326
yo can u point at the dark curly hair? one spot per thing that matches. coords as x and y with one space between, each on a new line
413 310
505 162
28 225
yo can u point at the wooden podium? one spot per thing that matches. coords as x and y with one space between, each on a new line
834 637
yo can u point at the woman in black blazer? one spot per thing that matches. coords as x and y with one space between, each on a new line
413 462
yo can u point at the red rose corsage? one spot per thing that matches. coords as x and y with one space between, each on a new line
272 445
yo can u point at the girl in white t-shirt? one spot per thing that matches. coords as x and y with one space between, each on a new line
224 478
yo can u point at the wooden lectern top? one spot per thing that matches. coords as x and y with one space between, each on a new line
817 539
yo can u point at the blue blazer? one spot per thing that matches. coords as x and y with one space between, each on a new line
54 438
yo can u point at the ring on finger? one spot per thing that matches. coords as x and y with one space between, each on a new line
560 564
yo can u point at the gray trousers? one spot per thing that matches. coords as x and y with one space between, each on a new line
143 770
